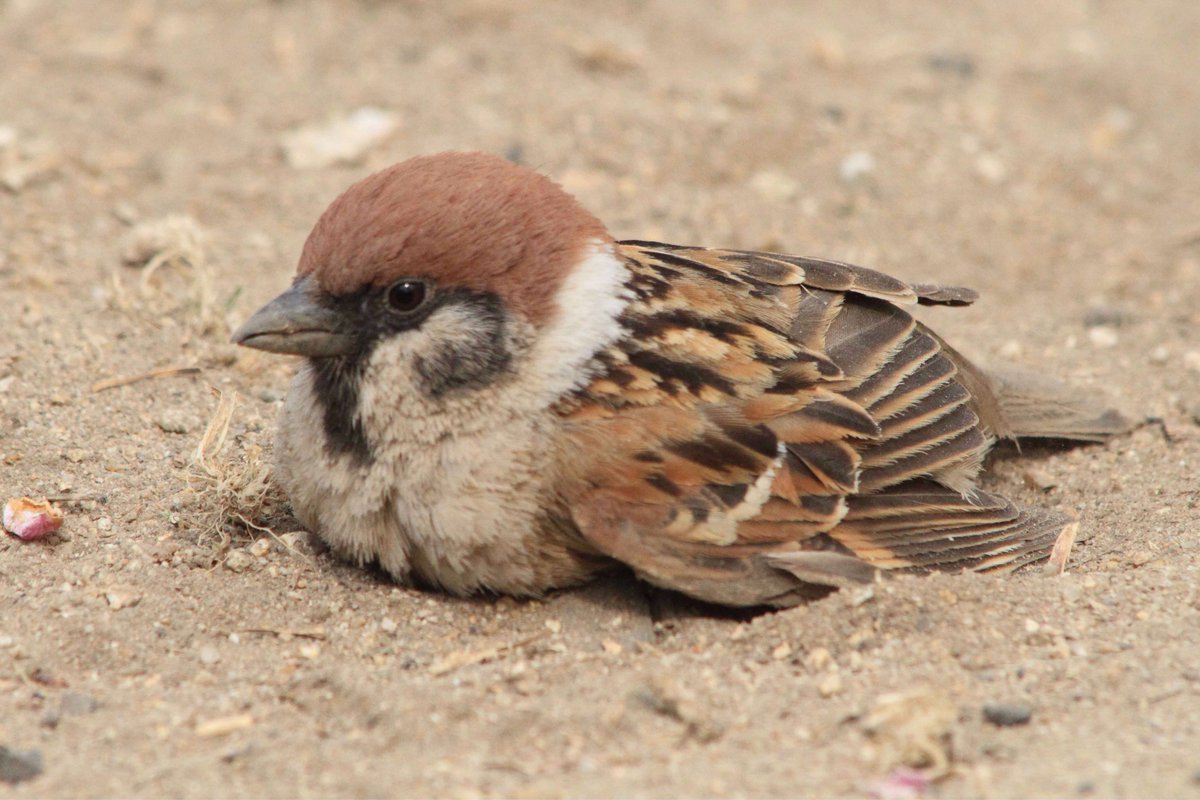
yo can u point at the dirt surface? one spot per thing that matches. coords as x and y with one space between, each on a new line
1047 154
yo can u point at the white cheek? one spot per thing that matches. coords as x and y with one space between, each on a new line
589 304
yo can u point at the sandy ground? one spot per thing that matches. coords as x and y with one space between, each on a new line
1047 154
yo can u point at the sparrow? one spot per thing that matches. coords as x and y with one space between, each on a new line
497 396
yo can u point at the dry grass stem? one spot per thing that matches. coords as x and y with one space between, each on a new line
231 483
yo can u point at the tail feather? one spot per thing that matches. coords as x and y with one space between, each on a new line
1034 406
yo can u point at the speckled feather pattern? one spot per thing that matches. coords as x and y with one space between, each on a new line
742 365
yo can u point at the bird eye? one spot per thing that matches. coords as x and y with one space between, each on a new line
406 295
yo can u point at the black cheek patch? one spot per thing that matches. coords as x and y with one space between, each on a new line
473 359
476 356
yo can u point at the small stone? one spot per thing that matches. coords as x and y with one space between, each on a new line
782 651
173 420
605 56
856 166
1038 479
960 64
259 548
1007 714
76 455
1011 349
120 597
773 186
1140 558
989 167
209 656
1191 360
310 650
1112 129
1105 316
1160 355
223 726
388 625
553 625
1104 336
298 541
238 561
817 659
611 647
339 141
830 685
17 766
77 704
104 524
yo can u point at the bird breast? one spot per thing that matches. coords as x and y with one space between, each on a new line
457 494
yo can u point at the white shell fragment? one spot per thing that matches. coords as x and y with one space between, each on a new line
341 141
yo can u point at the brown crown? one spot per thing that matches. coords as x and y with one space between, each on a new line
468 220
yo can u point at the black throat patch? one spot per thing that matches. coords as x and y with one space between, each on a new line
337 382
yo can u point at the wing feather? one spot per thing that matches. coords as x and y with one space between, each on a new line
772 426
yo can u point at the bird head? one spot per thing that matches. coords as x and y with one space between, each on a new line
457 271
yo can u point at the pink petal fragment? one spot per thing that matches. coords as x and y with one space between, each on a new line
30 519
902 783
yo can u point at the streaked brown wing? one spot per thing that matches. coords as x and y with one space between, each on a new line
773 425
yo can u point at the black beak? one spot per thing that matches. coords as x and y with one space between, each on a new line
296 324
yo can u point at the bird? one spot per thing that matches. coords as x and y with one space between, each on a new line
496 396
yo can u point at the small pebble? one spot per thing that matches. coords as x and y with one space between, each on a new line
119 597
223 726
1038 479
209 656
856 166
77 703
1011 349
387 625
238 561
773 186
300 541
260 547
174 421
1110 316
960 64
830 685
345 140
1006 714
1104 336
990 168
19 765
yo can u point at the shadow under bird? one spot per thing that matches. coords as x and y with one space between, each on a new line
498 396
